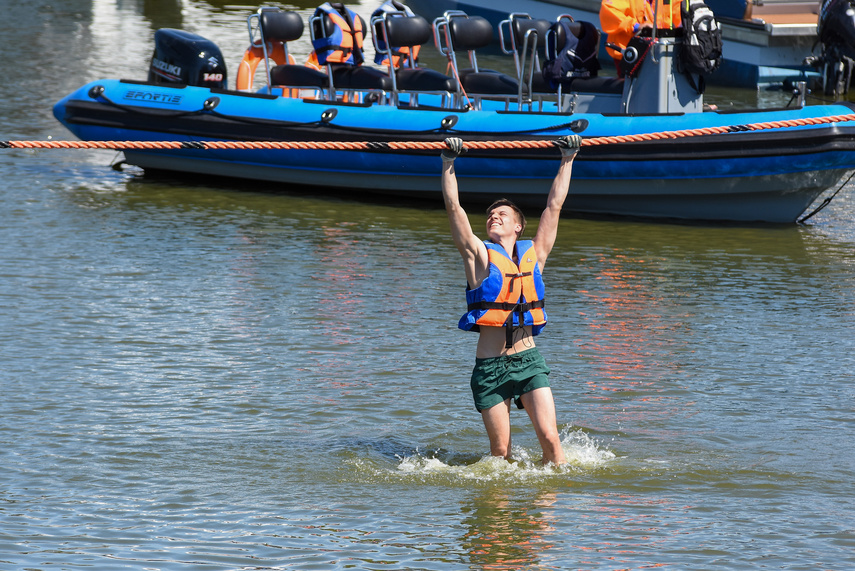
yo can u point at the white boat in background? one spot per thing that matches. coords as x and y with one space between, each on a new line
765 42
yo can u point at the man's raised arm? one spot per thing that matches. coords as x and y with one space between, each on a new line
471 248
547 229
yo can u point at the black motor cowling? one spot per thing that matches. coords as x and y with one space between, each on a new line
188 59
837 26
836 34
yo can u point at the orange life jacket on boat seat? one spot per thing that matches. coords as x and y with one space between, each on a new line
337 37
275 29
403 53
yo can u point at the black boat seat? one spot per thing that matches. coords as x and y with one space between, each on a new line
394 31
487 83
298 76
280 26
403 30
525 38
579 29
469 33
422 79
472 33
540 85
538 28
283 26
415 31
345 76
521 26
359 77
581 77
588 42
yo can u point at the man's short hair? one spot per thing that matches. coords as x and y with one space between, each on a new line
512 206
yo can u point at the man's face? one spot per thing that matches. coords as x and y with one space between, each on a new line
502 221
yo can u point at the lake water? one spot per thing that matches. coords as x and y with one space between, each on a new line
238 377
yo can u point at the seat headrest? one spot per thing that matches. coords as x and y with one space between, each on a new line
523 25
579 29
407 31
280 26
470 33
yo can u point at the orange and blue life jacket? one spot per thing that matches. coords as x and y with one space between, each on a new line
341 42
400 55
510 296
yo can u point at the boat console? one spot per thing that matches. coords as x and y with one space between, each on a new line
658 86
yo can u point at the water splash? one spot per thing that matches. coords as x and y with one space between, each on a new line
584 454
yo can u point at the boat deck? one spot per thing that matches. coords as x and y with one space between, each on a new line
784 14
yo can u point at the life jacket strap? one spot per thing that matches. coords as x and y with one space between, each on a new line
516 276
509 331
519 308
507 306
334 48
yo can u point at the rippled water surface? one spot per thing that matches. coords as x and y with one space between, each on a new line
227 377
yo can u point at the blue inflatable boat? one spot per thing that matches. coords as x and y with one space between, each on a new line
741 173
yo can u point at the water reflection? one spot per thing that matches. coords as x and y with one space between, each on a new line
336 307
508 531
512 530
646 309
631 529
628 329
160 13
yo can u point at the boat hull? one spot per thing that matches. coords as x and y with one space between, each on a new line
760 176
767 199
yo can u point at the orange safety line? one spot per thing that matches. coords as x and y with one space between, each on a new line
459 81
416 145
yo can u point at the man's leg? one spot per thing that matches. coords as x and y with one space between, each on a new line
540 407
497 421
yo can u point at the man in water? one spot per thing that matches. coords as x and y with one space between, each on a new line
505 305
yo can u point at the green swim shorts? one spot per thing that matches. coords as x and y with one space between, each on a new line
496 379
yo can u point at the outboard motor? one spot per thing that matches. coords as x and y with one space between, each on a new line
836 31
837 25
188 59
